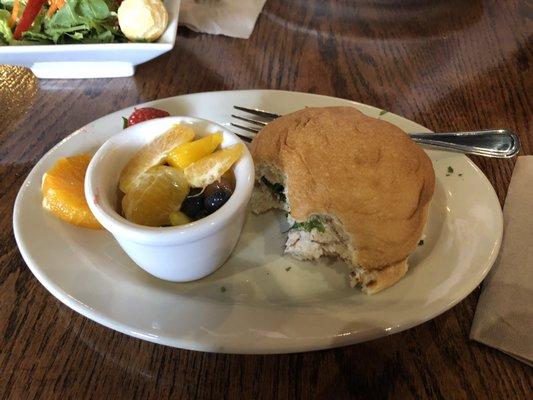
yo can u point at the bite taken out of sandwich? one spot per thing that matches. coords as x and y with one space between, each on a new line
353 187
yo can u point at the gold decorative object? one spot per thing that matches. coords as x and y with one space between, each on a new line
18 90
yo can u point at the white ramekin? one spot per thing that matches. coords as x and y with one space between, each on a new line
183 253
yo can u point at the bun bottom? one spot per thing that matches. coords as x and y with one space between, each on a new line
373 281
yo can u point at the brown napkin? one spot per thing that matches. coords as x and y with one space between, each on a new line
504 314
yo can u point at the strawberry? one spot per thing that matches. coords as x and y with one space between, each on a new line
144 114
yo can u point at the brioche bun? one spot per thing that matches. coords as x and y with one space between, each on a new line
364 175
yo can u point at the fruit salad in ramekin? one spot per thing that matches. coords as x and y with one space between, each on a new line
176 179
177 211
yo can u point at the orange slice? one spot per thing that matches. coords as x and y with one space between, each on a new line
210 168
153 153
154 195
185 154
63 192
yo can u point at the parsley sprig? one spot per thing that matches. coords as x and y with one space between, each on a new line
309 225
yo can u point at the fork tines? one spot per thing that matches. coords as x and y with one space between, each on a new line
258 112
264 118
250 120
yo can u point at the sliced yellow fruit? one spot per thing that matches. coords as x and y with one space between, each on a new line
63 192
152 154
210 168
154 195
185 154
178 218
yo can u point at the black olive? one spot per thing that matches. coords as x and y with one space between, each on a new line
222 183
201 214
192 204
217 199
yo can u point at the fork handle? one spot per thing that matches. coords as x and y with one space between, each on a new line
500 143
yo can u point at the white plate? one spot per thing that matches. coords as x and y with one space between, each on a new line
259 301
103 60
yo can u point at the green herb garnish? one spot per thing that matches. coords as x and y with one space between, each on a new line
223 289
276 188
421 243
382 112
6 36
450 170
288 269
309 225
124 122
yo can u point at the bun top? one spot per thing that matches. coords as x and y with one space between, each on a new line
363 171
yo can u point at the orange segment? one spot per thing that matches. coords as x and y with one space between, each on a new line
153 154
63 192
155 195
185 154
210 168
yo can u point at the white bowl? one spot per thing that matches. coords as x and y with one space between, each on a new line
105 60
183 253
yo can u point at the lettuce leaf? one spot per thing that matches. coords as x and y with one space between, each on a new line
6 36
84 21
78 21
94 9
8 4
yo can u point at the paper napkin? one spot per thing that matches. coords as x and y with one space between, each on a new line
504 314
234 18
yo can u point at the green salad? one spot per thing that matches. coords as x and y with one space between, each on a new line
59 22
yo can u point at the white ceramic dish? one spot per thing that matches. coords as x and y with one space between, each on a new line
178 254
260 301
107 60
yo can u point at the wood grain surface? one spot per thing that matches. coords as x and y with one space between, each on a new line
446 64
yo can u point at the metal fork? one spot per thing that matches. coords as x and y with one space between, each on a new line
498 143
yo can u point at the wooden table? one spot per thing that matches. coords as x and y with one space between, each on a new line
447 64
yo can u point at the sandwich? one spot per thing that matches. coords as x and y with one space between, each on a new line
353 187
